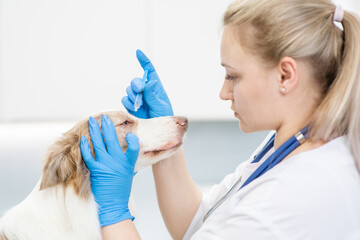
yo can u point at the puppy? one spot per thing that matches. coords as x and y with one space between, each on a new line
61 206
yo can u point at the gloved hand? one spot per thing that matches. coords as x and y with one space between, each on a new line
155 102
112 172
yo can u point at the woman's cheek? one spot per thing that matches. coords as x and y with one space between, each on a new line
239 99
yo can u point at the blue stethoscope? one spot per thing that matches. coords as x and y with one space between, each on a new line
284 150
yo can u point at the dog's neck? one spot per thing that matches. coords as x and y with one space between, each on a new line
54 212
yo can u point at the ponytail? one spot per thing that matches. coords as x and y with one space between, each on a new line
339 112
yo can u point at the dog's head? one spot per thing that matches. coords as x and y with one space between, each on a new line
159 138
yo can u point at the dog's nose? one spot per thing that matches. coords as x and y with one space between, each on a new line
182 122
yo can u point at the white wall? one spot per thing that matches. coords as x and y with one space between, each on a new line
64 60
352 5
1 64
67 59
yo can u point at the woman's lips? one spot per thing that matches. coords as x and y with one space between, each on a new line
235 113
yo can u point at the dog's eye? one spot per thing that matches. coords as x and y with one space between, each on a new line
125 123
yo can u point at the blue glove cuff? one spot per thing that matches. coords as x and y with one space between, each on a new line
114 216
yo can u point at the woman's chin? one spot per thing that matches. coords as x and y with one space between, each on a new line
245 128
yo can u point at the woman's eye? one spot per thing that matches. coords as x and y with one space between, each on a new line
229 77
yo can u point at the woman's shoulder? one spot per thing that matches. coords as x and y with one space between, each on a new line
307 187
324 170
323 167
335 152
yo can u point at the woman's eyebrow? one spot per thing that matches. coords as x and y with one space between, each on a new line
227 65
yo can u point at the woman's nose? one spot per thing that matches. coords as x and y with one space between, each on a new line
226 92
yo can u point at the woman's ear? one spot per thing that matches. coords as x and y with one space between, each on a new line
288 71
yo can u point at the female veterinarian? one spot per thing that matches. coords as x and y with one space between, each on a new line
291 66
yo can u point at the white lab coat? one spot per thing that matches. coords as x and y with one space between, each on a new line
312 195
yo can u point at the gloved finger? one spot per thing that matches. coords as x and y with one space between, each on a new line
134 97
96 138
132 151
146 63
86 153
142 112
128 104
110 137
155 86
131 94
137 85
150 92
155 94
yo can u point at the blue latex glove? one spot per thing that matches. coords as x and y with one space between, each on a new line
155 102
112 172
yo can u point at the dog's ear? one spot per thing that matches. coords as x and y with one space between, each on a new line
64 165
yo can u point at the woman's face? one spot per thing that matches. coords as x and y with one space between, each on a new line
251 87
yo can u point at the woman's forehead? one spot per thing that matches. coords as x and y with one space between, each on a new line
233 51
230 47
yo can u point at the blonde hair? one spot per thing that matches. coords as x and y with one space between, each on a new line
304 29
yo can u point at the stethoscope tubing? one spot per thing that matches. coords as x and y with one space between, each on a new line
284 150
276 157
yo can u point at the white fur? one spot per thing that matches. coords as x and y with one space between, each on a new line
53 213
157 133
59 213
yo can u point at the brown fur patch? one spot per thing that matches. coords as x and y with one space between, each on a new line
63 163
